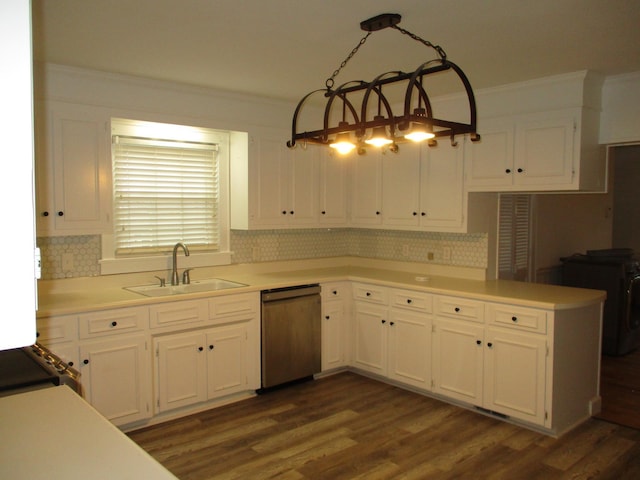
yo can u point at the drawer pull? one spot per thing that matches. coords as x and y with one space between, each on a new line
457 309
86 361
327 317
409 300
114 324
200 349
368 294
478 342
384 321
490 345
515 319
392 323
211 347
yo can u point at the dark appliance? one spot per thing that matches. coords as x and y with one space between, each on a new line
617 272
290 335
34 367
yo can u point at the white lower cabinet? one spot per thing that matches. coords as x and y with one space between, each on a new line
498 366
197 366
115 377
392 334
335 339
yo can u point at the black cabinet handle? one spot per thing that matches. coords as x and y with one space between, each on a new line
457 309
384 321
45 214
60 214
520 170
114 324
424 214
335 292
37 334
368 294
291 212
392 323
490 345
478 342
514 318
211 347
323 212
327 317
70 364
200 349
409 300
284 212
508 170
86 361
377 213
415 213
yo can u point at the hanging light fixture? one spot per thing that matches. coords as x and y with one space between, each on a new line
385 129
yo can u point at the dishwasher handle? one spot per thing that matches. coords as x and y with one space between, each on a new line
289 292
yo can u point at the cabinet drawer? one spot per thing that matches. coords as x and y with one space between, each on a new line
332 291
461 308
521 318
370 293
57 329
109 322
418 301
187 312
229 306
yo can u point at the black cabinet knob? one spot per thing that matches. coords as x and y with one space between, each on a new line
478 342
284 212
335 292
368 294
114 324
457 309
291 212
490 345
45 214
384 321
520 170
86 361
323 212
377 213
514 318
415 213
424 214
327 317
211 347
37 334
409 300
70 364
200 349
392 323
60 214
508 170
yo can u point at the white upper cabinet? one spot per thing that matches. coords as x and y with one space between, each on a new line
366 188
539 136
73 168
283 184
334 177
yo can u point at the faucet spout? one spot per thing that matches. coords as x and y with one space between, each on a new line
175 280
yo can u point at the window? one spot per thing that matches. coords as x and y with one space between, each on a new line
169 186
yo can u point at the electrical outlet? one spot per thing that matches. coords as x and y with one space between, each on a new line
67 262
446 254
405 250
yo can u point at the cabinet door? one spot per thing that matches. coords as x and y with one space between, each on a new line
401 186
181 370
457 360
227 360
370 335
515 366
442 182
410 348
304 168
269 192
333 334
544 150
73 170
333 189
366 189
489 162
115 377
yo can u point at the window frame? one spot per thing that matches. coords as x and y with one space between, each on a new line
110 263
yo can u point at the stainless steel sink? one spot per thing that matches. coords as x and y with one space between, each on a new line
209 285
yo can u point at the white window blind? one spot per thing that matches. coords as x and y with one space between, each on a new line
513 237
165 192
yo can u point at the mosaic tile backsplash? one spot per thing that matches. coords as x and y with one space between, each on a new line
463 250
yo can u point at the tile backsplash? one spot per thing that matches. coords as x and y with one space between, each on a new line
78 256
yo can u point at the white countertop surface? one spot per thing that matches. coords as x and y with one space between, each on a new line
53 433
97 293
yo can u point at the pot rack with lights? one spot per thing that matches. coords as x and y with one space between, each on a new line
358 128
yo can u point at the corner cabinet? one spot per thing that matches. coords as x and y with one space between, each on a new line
73 169
334 327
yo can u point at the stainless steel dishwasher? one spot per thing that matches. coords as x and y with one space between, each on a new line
290 334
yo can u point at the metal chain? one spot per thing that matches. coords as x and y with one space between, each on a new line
330 81
437 48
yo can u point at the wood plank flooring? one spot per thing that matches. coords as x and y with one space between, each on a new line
350 427
620 389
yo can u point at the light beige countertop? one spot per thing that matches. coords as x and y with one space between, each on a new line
55 433
70 296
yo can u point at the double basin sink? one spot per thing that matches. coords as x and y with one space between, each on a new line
209 285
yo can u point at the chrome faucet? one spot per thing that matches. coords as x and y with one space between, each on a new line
175 280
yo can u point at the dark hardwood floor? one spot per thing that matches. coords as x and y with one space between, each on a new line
620 389
350 427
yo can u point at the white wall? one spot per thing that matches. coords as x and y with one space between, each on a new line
620 119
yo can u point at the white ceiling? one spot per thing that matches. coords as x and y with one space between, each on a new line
287 48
